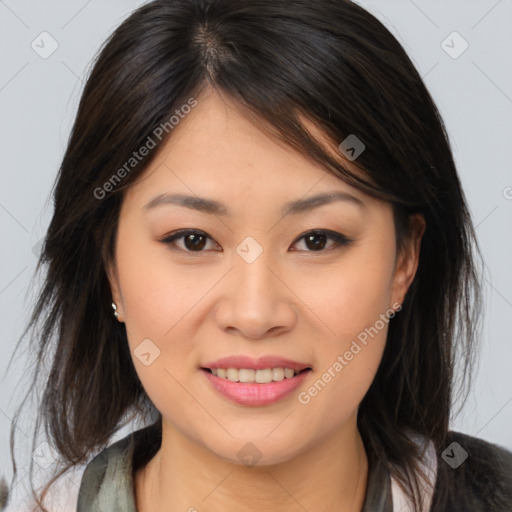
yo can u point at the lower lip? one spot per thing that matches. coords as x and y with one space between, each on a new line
253 394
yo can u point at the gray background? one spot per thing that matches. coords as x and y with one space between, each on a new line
38 100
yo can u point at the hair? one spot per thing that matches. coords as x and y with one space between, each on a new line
282 62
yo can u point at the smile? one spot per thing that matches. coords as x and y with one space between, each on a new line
260 376
250 387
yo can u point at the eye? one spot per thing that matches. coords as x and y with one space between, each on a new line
193 240
315 241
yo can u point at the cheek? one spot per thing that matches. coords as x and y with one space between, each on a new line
350 296
343 377
154 297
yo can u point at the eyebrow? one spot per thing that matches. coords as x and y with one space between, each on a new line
213 207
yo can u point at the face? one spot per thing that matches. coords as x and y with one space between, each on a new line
310 288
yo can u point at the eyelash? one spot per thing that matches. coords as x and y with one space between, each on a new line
339 239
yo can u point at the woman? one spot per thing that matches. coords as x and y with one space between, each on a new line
260 236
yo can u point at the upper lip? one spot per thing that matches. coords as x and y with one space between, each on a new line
261 363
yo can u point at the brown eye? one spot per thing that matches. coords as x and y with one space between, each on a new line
192 241
195 241
317 241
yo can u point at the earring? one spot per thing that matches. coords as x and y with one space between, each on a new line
114 307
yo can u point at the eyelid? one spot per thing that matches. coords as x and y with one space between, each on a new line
340 240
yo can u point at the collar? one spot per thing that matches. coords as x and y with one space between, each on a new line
108 485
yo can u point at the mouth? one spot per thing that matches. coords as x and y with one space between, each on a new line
256 376
255 387
255 382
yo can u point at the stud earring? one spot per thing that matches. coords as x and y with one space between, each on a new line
114 307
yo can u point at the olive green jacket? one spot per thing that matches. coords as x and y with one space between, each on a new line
470 475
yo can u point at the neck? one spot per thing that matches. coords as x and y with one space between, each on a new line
186 476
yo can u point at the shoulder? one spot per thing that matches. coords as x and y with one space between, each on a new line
107 480
473 474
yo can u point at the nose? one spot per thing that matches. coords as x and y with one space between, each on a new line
257 302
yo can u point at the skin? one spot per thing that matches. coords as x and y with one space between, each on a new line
292 301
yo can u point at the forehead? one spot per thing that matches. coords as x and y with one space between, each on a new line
216 147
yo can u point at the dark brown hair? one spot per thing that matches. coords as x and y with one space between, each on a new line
282 61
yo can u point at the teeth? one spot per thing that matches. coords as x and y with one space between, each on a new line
288 373
232 374
251 375
277 374
262 376
246 375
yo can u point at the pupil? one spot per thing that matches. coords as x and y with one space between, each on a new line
190 244
316 245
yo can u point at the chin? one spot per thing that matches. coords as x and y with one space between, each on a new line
254 451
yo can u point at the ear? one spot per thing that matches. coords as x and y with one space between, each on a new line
408 259
113 279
